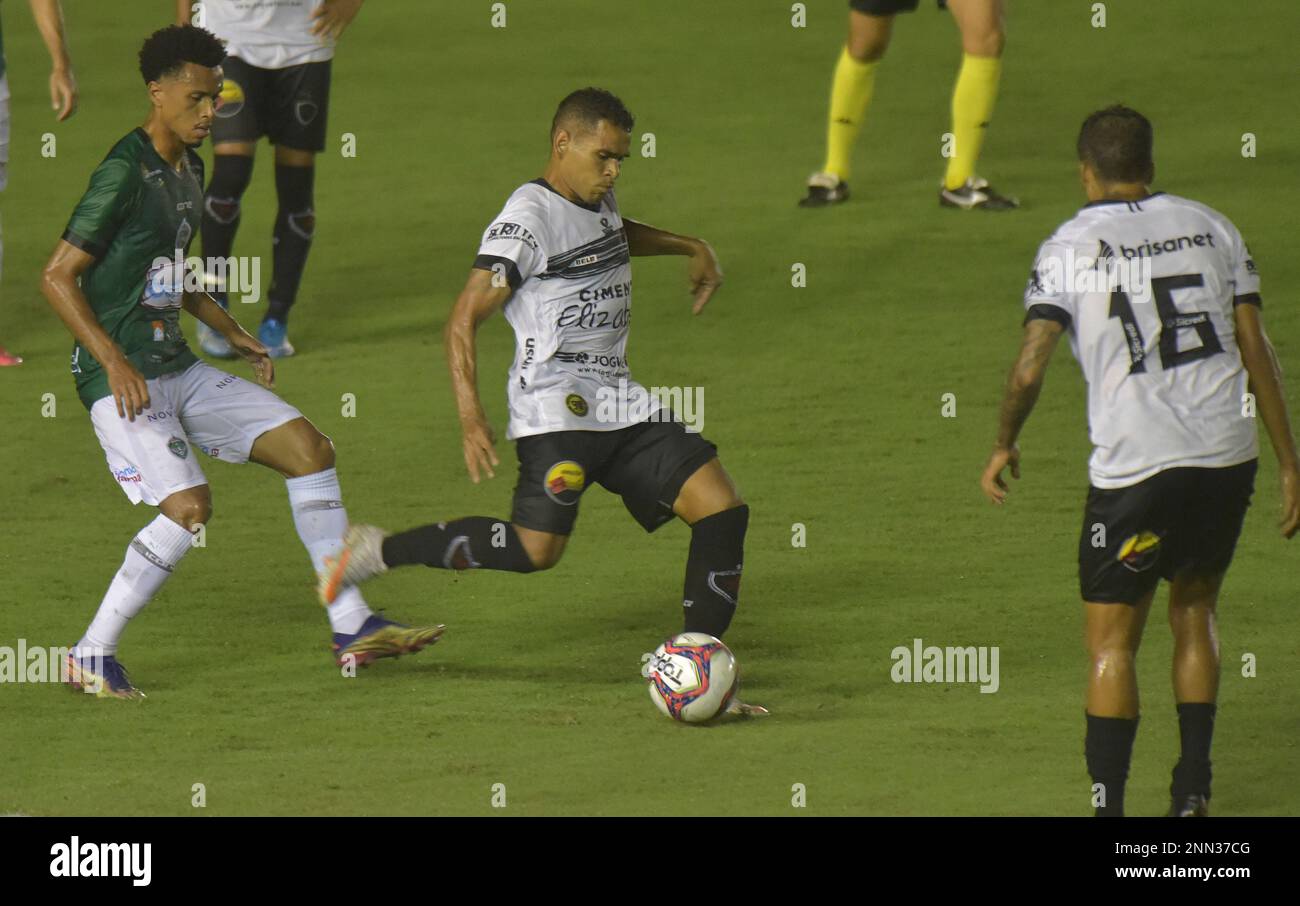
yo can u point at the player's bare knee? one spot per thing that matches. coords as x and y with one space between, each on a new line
984 42
319 453
868 50
188 509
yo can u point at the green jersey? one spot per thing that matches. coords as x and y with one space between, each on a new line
137 219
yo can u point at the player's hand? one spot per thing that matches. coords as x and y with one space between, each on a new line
333 16
128 387
63 93
991 481
256 355
704 274
1290 522
479 451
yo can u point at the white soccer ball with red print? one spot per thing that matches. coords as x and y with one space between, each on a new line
692 677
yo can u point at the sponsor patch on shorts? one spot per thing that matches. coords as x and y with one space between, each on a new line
565 481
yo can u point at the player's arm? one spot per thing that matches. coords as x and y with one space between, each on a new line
184 12
63 84
1265 373
485 292
60 288
1023 386
202 307
703 272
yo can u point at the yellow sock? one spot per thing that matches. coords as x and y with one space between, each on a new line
850 95
972 106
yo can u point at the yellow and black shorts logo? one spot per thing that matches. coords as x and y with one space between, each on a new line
1139 552
577 405
564 482
231 98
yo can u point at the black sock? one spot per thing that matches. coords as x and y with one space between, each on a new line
1196 727
231 174
1108 748
713 571
295 224
474 542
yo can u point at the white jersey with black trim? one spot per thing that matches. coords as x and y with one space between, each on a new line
270 34
569 267
1147 290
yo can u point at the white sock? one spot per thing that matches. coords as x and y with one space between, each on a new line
150 559
321 521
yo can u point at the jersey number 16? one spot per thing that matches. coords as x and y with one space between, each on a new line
1171 321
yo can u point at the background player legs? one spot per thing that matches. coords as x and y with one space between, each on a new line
305 458
1114 632
1192 601
150 559
232 170
712 506
982 39
295 225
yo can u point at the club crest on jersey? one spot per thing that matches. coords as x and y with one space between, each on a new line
1139 552
577 405
231 100
179 448
565 481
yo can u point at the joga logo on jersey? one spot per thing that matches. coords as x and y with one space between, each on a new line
1140 551
565 481
231 100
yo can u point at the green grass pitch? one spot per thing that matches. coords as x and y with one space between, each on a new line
825 402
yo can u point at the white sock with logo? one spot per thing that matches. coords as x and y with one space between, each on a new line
321 521
150 559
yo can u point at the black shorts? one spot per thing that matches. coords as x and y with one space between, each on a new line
1179 521
287 105
885 7
645 464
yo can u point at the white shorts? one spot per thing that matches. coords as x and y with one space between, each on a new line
217 412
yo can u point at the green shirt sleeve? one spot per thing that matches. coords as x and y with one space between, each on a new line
107 204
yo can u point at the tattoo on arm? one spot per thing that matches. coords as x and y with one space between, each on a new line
1026 378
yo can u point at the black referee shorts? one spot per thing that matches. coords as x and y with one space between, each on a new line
1179 521
646 464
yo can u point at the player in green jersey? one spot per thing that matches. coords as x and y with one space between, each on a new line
118 279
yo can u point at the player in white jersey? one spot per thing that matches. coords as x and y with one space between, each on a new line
1161 300
277 84
557 260
63 97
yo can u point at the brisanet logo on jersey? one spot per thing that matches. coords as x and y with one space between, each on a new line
102 860
23 663
626 404
1103 273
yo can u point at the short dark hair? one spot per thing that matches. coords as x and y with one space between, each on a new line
166 51
1117 143
588 106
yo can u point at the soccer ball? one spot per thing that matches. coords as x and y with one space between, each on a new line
692 677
